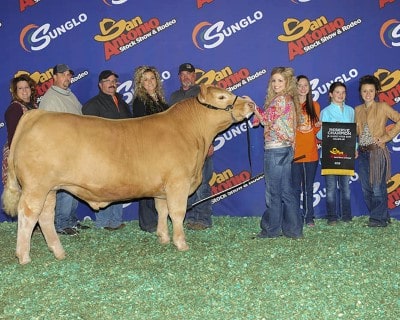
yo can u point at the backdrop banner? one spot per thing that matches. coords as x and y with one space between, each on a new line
233 44
338 148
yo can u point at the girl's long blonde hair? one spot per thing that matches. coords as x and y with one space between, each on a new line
291 84
291 88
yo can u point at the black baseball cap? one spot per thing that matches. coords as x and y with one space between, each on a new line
61 68
186 67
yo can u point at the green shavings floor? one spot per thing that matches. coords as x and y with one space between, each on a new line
348 271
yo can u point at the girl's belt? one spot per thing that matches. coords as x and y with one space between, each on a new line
368 148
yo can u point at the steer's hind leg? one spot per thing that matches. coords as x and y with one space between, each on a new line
27 219
162 226
46 222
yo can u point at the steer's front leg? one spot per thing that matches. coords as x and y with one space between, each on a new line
178 233
177 211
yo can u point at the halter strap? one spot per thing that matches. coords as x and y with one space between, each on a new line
209 106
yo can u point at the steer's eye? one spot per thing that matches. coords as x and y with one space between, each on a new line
221 97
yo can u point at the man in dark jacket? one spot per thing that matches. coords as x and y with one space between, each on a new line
108 104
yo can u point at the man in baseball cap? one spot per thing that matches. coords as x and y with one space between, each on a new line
187 78
61 68
108 103
60 98
200 216
186 67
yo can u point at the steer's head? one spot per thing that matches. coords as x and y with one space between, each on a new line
222 100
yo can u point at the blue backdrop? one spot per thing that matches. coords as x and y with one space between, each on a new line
232 43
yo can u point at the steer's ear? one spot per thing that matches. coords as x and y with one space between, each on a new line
203 92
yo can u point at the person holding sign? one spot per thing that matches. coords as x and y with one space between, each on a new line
278 117
374 159
337 112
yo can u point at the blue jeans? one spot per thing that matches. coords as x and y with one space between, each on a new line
282 214
110 216
375 196
202 212
65 211
303 174
332 182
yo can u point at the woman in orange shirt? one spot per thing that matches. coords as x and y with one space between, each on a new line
306 150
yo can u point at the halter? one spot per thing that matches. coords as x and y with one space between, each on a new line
209 106
229 107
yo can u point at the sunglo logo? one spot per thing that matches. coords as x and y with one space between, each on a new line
393 190
383 3
23 4
40 37
303 36
209 36
119 36
227 79
234 132
319 89
390 82
390 32
114 2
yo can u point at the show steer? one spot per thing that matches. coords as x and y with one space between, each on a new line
102 161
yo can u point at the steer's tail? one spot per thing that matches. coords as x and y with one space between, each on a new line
12 190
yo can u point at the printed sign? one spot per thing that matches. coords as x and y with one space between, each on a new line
338 148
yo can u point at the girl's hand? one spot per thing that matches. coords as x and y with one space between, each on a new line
257 120
380 142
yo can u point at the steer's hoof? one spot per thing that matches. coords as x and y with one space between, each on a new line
60 256
182 246
23 259
163 240
58 251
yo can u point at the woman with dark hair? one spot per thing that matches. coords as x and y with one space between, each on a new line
373 155
306 149
337 111
23 98
148 99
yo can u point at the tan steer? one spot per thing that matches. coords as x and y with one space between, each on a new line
103 161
